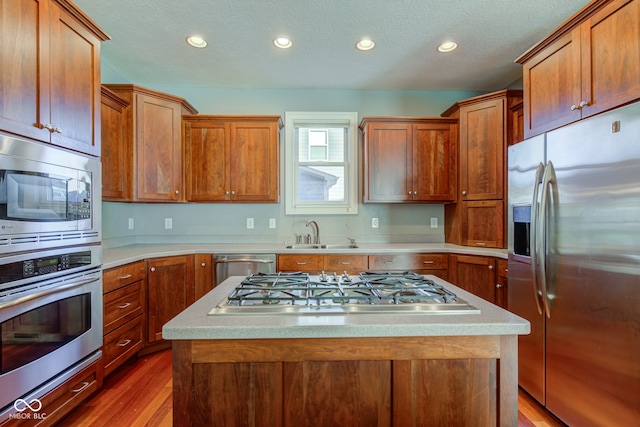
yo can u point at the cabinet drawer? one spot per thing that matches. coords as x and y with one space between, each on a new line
65 398
408 262
301 262
122 305
351 263
121 344
122 276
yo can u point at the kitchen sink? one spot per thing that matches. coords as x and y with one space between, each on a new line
322 246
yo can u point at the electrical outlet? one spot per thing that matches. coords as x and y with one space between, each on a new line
272 223
131 224
374 223
168 223
434 222
249 223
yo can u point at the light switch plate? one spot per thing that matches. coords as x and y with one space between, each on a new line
168 223
434 222
131 224
375 223
272 223
249 223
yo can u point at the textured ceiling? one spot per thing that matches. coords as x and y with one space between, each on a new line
148 41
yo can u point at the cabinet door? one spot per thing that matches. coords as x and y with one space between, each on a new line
253 162
482 150
24 41
206 153
475 274
502 283
610 42
203 274
75 85
116 148
170 291
387 162
483 223
433 168
551 82
159 149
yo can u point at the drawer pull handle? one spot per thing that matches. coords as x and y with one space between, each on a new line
388 262
345 263
481 244
82 387
301 263
125 305
427 262
126 276
124 343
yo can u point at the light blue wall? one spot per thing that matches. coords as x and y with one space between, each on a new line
226 223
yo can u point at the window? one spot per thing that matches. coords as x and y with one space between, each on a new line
321 170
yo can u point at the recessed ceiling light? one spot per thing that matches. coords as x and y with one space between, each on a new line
365 44
196 41
282 42
447 47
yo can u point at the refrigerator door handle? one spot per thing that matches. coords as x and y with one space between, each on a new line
548 182
533 237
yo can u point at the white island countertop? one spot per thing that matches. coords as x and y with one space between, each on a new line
194 323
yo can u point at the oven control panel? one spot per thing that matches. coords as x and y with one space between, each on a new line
42 266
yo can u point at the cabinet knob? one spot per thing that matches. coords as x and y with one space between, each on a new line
491 267
498 285
233 192
203 265
153 269
48 126
177 191
464 193
574 107
226 192
415 192
57 130
584 104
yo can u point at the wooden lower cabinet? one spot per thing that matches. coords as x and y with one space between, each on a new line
170 290
63 399
502 283
475 274
203 274
124 302
315 264
382 381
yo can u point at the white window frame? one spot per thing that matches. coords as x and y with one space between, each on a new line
349 205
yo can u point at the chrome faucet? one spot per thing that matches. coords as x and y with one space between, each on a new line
316 232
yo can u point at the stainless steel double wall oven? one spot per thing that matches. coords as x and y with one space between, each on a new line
50 268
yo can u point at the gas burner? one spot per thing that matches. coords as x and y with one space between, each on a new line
372 292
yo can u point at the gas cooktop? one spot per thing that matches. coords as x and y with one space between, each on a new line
368 292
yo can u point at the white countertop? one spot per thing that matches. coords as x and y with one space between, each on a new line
114 257
195 322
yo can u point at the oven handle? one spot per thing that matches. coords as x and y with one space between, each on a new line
50 291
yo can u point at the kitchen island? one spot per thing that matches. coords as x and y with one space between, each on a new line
355 369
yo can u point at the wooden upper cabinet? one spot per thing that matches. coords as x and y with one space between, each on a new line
51 92
588 65
232 158
117 157
408 159
154 140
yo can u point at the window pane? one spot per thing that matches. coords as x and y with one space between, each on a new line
317 153
321 183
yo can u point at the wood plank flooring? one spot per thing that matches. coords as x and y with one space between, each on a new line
139 394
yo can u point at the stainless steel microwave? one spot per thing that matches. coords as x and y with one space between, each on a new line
49 197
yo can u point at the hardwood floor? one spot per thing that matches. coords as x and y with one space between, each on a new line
139 394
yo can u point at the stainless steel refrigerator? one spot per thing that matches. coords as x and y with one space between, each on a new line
574 267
